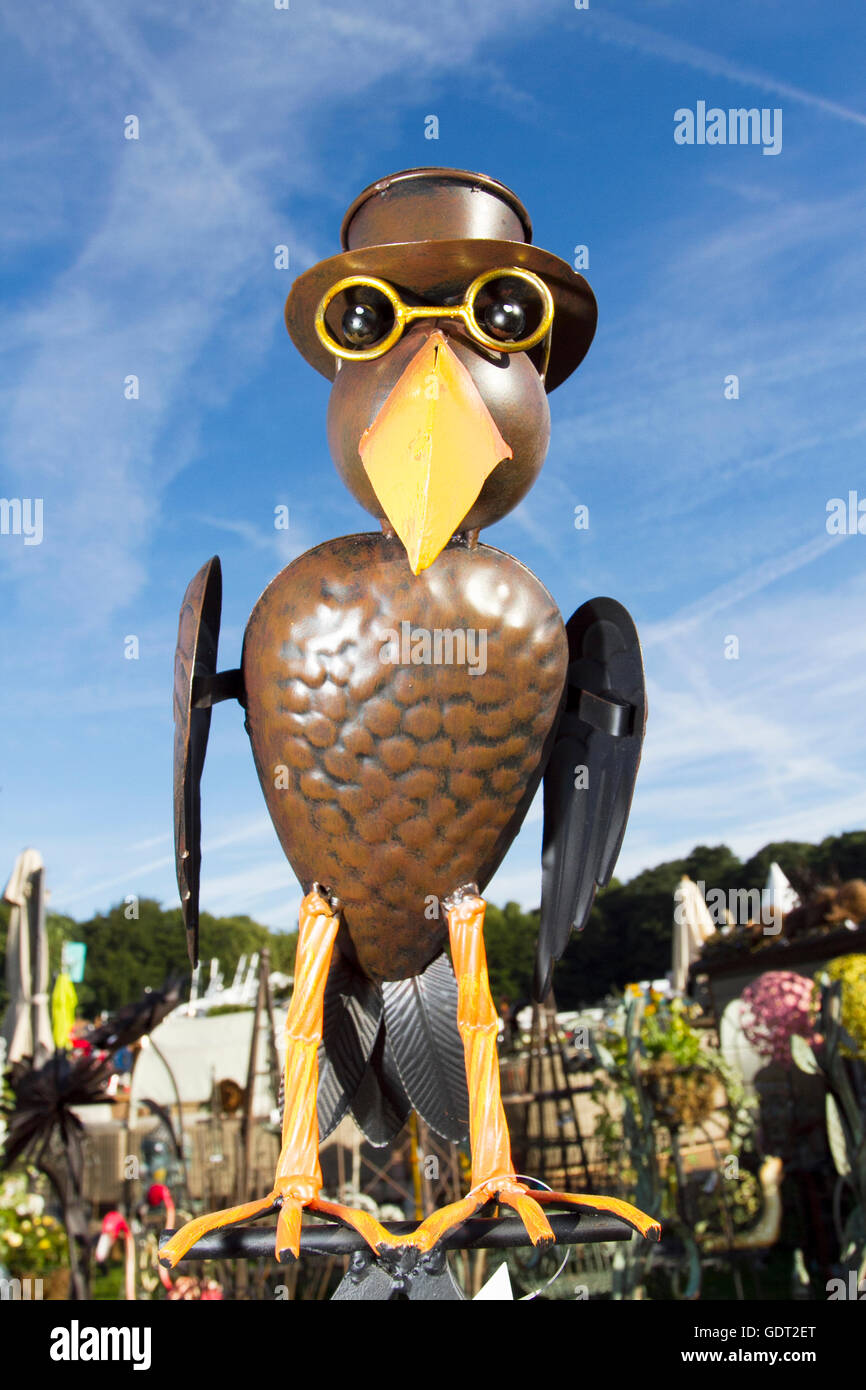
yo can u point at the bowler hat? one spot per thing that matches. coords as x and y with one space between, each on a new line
429 233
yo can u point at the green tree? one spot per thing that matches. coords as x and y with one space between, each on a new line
126 955
627 937
629 932
510 935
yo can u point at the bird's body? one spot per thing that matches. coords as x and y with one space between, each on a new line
390 775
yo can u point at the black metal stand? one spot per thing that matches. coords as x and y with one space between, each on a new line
403 1272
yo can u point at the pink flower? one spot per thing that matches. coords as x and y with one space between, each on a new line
775 1006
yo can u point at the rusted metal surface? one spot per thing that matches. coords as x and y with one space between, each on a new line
395 781
434 204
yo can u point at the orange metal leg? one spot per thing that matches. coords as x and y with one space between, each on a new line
493 1172
298 1178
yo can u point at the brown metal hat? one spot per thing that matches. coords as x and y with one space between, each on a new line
429 233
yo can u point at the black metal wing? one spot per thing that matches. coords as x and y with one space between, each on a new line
196 688
590 776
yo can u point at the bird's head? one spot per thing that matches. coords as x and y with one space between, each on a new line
443 329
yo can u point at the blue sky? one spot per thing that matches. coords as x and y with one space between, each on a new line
156 257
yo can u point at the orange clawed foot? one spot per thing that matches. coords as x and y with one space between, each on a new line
290 1204
183 1240
644 1225
509 1191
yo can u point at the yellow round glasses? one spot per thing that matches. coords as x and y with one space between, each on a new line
408 313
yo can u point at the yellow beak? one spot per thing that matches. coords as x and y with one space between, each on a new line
430 449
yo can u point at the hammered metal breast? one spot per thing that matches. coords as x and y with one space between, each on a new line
392 776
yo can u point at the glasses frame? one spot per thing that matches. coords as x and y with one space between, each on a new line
408 313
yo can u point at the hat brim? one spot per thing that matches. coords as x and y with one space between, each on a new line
436 270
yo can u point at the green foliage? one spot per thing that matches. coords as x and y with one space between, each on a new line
850 971
32 1241
126 955
667 1031
665 1076
835 860
628 936
510 935
107 1282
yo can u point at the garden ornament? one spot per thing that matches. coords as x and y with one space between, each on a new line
407 690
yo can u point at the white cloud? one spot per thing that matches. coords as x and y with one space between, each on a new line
630 34
752 581
152 255
189 213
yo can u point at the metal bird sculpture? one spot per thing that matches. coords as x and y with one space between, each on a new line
406 692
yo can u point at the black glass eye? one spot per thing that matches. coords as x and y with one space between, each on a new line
362 325
505 319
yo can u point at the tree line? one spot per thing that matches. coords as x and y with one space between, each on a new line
627 937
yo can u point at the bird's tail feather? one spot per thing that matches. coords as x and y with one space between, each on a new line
421 1022
380 1106
389 1049
352 1023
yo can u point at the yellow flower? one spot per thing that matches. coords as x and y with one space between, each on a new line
27 1225
44 1245
48 1221
14 1239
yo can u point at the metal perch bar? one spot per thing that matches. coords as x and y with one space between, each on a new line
479 1233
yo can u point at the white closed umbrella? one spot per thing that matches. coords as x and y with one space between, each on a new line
778 894
27 1024
692 926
